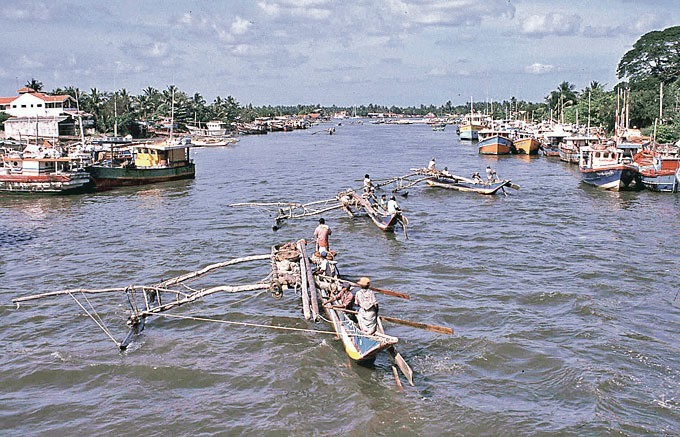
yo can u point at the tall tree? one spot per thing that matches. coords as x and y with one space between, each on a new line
656 54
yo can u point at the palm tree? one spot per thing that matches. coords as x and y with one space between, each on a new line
34 84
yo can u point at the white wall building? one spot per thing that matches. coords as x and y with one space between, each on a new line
38 114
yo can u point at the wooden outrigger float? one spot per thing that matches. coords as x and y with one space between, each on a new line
290 269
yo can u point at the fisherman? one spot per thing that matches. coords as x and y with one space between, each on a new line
368 186
477 179
392 206
368 306
489 173
431 165
327 266
382 203
445 172
321 234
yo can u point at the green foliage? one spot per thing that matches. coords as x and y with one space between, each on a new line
655 55
3 116
35 84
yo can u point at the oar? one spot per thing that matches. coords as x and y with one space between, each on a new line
514 186
419 325
379 290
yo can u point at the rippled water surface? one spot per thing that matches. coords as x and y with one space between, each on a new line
563 298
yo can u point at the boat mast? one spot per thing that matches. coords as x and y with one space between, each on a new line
115 114
172 112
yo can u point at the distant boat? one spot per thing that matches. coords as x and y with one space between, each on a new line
570 147
42 170
659 170
603 166
215 128
149 163
551 142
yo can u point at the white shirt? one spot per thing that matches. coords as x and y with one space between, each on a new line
392 206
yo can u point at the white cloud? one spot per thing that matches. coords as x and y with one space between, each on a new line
157 49
551 24
311 13
30 63
537 68
240 26
271 9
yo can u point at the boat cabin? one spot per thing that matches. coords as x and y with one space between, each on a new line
598 156
161 155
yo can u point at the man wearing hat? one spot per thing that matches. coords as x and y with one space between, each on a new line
368 306
321 234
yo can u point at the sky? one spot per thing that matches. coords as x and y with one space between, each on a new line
342 52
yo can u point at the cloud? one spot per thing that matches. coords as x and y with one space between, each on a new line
550 24
537 68
240 26
642 24
29 63
445 13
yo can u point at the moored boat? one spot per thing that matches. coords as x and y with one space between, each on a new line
151 163
494 143
527 146
603 166
570 147
659 171
38 170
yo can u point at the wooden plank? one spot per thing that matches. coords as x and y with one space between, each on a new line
311 285
303 281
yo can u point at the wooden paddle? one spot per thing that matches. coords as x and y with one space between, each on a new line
379 290
419 325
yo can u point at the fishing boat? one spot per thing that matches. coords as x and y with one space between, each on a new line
527 145
659 169
570 147
603 166
42 169
460 183
151 162
211 141
551 142
215 128
494 142
472 124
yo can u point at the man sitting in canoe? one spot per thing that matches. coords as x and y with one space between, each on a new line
368 306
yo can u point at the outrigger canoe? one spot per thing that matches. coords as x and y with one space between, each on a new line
464 184
383 220
361 347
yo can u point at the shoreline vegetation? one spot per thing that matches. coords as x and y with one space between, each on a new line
649 74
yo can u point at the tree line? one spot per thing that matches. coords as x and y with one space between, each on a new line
650 68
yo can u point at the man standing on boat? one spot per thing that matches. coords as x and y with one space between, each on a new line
368 306
321 234
392 206
368 186
432 164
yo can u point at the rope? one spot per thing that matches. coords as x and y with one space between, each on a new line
103 328
256 325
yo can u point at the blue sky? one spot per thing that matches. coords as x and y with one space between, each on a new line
352 52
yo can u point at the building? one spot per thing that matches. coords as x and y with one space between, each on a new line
34 114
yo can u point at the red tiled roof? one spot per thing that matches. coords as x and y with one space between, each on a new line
6 100
25 90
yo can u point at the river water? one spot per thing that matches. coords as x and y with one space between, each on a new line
563 298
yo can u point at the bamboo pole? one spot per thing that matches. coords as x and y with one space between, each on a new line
204 270
18 300
200 294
